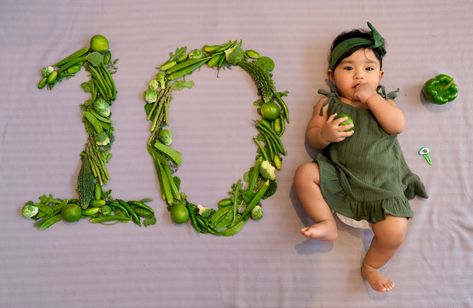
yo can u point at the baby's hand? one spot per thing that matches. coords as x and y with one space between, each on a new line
332 131
363 92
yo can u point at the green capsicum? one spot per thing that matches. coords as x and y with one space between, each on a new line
440 90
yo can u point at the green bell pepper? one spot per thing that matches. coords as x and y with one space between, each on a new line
440 90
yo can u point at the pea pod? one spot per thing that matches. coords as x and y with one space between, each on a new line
90 211
141 205
50 221
93 120
167 65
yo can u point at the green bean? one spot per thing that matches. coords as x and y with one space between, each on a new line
121 207
75 54
263 152
283 105
96 75
108 76
132 213
141 205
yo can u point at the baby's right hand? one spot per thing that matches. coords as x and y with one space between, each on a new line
332 131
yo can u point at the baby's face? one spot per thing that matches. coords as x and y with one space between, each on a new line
362 67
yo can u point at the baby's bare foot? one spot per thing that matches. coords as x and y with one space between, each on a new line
376 279
324 230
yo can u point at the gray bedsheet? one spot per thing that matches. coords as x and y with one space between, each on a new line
269 264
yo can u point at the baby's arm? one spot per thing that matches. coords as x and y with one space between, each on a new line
323 129
389 116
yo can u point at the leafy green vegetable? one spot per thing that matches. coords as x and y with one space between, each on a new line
95 58
102 107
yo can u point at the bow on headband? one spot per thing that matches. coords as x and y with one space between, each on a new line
376 42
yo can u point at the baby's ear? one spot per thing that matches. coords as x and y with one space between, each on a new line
381 74
330 75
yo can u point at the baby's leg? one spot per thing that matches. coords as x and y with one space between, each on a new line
306 182
388 236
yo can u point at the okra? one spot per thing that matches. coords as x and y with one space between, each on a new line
102 219
185 64
187 70
78 53
256 199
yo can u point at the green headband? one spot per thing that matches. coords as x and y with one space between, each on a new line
376 42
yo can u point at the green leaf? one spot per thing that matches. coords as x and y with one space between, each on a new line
95 58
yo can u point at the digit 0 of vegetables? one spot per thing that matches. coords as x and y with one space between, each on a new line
92 203
244 200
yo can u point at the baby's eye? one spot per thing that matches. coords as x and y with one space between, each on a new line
370 68
348 68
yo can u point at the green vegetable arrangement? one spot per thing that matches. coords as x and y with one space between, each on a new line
440 90
244 198
93 202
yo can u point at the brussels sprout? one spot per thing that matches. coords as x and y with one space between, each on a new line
46 71
234 55
153 85
102 139
102 107
204 211
196 54
29 210
151 96
268 171
257 213
165 136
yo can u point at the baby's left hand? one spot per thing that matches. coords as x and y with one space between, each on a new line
363 92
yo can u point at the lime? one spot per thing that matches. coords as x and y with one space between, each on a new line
99 43
179 214
270 111
348 121
71 212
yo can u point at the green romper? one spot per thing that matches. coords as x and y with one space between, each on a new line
365 176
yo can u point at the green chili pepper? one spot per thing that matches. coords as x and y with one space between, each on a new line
440 90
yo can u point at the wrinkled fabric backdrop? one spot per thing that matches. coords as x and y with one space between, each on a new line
269 264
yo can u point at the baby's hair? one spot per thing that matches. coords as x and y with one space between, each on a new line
352 34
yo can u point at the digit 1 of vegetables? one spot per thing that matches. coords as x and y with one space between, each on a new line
92 202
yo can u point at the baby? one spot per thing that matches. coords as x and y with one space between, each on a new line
360 173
